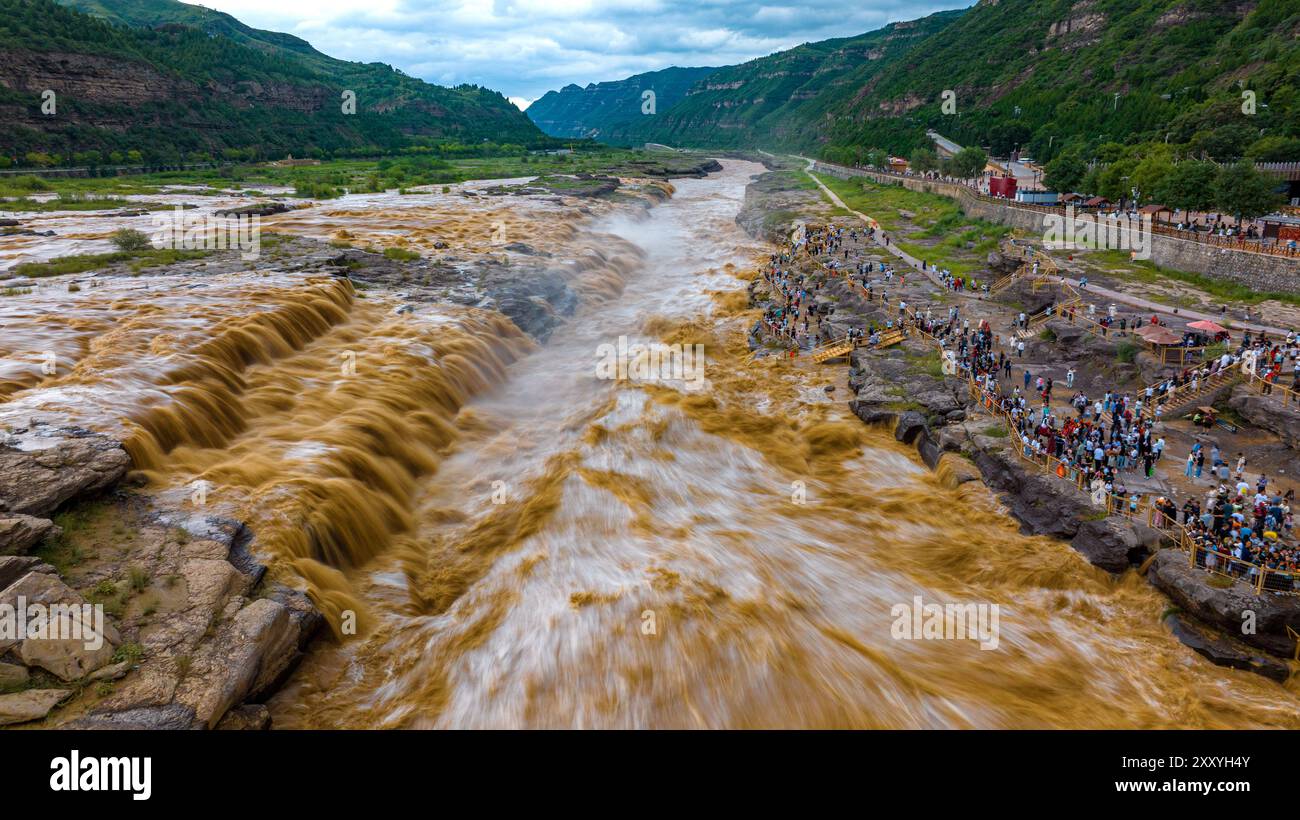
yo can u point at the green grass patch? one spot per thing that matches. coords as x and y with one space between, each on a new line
149 257
931 364
356 176
903 406
74 201
962 244
400 254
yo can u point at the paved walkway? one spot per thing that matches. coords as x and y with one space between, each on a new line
876 232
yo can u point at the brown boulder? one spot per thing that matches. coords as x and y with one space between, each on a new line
42 467
19 533
89 646
32 704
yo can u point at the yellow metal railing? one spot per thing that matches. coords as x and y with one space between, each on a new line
1259 384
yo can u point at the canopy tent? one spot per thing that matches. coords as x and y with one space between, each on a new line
1159 335
1207 326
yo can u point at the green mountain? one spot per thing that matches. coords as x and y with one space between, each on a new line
599 108
173 81
780 99
1042 75
155 13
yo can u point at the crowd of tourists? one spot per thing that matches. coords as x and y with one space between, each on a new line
1241 530
1099 440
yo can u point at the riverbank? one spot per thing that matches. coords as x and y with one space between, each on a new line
904 389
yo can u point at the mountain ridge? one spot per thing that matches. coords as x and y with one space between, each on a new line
129 72
591 110
1038 75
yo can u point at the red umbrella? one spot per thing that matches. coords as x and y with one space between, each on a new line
1207 326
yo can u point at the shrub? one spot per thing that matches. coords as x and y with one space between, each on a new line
139 578
309 189
130 652
28 182
400 254
126 239
1126 352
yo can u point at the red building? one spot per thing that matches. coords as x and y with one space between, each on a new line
1003 187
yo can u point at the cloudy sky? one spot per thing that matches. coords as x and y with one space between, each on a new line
523 48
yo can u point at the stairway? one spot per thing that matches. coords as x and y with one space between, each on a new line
1184 396
1005 281
890 338
832 350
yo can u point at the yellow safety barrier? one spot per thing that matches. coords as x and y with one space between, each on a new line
1259 384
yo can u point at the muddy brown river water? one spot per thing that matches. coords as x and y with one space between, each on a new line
528 545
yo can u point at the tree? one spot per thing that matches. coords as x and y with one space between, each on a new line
1116 180
1242 190
1006 137
924 160
1188 186
967 163
1275 149
1091 182
1225 143
127 239
1108 152
1150 174
1066 172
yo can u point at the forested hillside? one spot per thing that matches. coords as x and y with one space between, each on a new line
162 81
1046 76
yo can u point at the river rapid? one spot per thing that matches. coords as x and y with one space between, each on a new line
596 553
523 544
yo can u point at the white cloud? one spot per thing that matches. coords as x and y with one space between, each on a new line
524 48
